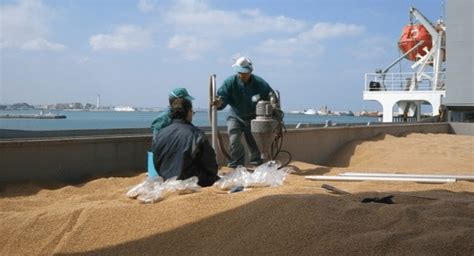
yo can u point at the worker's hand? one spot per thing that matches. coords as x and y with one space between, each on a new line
217 102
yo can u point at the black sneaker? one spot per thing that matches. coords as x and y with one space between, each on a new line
233 166
257 162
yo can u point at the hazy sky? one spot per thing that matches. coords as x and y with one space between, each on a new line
133 52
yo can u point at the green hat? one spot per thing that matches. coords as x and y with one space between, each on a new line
181 93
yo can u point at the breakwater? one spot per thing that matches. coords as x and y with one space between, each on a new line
33 116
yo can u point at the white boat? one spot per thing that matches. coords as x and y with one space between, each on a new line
124 108
296 112
323 111
310 111
344 113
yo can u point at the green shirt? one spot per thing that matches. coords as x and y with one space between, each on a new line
243 98
164 119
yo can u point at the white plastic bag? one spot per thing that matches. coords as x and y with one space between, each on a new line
154 189
238 177
186 186
267 174
145 187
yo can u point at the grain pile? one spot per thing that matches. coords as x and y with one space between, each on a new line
298 218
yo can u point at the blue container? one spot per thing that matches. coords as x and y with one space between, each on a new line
150 166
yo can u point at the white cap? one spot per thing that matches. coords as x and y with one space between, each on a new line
243 65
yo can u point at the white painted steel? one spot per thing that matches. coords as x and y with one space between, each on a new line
388 99
351 178
441 176
398 82
385 70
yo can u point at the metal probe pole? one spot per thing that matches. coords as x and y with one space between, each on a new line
214 130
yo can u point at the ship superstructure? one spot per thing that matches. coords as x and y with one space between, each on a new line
422 43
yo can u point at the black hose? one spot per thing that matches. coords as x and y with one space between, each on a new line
289 158
277 143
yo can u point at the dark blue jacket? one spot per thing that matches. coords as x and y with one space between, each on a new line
181 149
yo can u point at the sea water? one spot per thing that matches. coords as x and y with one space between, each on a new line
138 119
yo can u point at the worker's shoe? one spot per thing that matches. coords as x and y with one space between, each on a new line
233 166
256 162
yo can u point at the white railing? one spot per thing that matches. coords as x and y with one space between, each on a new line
403 82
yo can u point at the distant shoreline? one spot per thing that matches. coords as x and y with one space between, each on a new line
33 116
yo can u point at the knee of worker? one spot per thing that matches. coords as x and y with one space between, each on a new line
234 134
233 127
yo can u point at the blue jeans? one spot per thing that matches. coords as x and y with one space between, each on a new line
235 128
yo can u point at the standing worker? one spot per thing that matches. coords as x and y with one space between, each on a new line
242 91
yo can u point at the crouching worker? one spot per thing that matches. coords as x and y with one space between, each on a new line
164 118
181 149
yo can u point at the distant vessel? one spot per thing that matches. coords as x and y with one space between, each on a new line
323 111
296 112
370 113
310 111
124 108
343 113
